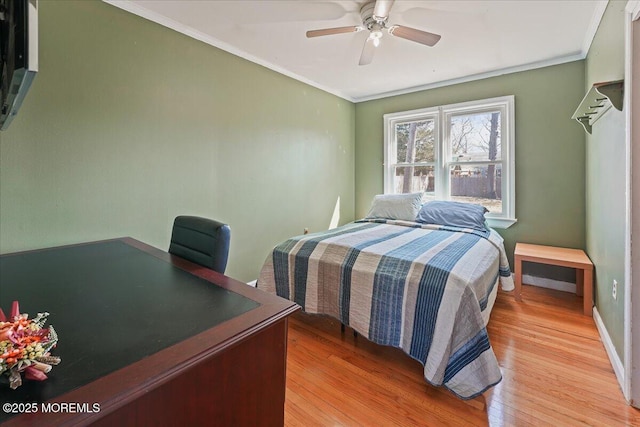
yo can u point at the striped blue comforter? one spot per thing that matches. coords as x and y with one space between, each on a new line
423 288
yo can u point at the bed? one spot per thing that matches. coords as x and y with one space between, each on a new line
427 289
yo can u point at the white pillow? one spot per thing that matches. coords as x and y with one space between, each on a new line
396 206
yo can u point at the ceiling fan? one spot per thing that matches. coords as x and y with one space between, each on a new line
375 15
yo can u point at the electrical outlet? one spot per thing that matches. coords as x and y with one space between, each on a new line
614 290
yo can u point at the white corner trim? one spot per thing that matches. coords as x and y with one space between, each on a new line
253 283
206 38
616 363
598 13
543 282
633 7
480 76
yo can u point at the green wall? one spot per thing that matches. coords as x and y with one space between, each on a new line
549 146
129 124
605 178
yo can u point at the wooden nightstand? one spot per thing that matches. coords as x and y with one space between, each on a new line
573 258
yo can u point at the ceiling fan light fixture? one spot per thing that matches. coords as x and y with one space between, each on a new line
375 15
376 33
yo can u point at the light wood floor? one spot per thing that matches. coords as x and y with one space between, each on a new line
555 373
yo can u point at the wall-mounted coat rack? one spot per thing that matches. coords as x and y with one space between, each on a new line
597 101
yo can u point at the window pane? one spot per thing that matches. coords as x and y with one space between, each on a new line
412 179
415 141
476 137
478 184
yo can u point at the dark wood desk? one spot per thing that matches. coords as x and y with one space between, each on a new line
151 338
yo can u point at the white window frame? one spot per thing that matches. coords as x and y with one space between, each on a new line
441 116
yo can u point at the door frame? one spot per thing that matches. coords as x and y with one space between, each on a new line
631 383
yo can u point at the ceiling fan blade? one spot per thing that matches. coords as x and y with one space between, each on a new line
382 8
367 52
414 35
331 31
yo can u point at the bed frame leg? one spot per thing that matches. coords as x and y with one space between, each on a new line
342 329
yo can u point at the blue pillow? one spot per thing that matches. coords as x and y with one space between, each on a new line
454 214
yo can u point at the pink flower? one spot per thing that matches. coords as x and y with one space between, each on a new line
32 373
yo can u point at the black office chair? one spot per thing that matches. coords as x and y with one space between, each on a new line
201 240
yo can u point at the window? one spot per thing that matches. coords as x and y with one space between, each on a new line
462 152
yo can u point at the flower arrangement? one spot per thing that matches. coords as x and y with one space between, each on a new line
25 346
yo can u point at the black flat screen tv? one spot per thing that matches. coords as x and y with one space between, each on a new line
18 54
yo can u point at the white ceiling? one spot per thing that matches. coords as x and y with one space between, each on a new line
479 38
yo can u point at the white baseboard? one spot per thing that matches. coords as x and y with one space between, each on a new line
543 282
253 283
616 363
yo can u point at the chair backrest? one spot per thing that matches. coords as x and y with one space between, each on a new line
201 240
